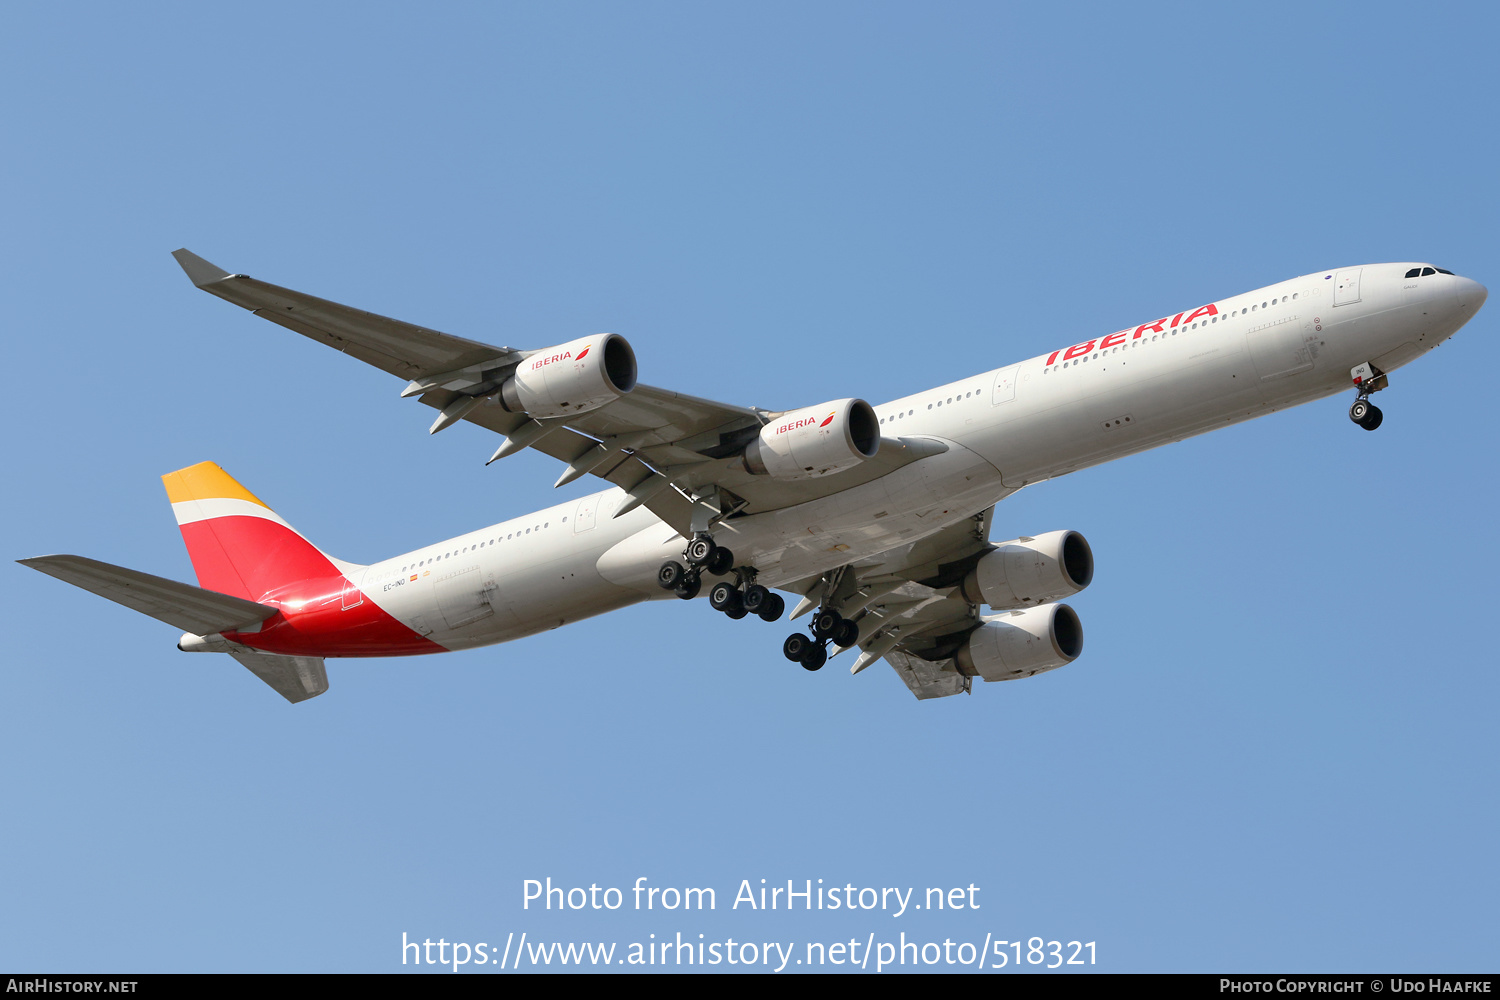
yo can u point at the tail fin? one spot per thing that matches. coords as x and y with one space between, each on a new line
237 544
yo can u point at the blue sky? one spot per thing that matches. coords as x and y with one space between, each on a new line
1278 750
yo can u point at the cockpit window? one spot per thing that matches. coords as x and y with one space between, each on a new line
1422 272
1444 271
1428 270
1414 272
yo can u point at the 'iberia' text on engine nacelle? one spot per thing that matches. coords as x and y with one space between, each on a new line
575 377
815 441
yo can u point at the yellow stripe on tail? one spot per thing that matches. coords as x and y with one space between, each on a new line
206 481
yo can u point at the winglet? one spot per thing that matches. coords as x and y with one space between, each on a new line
200 271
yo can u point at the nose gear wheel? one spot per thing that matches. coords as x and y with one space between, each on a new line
1366 414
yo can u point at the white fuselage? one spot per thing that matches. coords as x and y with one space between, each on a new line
1144 386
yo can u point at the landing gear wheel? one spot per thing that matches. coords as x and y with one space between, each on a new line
700 550
1372 419
824 624
756 597
721 562
724 597
772 609
689 587
847 634
796 644
670 574
814 657
1360 411
736 613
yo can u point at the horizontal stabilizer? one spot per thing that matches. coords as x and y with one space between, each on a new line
181 605
295 678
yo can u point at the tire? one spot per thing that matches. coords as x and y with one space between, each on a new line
847 634
1372 419
1360 411
824 624
689 587
721 562
756 597
736 613
773 609
796 644
700 551
670 574
722 597
815 657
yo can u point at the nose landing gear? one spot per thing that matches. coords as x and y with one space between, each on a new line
1366 414
1367 379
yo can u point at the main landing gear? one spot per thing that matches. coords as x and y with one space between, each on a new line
827 625
1367 379
742 597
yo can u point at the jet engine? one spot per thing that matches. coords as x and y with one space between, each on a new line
1021 643
1025 572
575 377
815 441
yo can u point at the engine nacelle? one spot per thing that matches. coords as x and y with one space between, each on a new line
575 377
1025 572
1022 643
213 643
815 441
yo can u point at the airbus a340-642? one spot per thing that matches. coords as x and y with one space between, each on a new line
878 516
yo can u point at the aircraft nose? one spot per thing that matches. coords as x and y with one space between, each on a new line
1469 294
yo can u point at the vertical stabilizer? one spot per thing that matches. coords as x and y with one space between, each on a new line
237 544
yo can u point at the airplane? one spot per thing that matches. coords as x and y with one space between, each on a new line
875 517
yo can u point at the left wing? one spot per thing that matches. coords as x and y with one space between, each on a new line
679 455
912 609
909 605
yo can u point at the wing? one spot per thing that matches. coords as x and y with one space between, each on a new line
678 455
909 607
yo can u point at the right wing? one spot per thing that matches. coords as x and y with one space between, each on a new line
674 453
403 349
